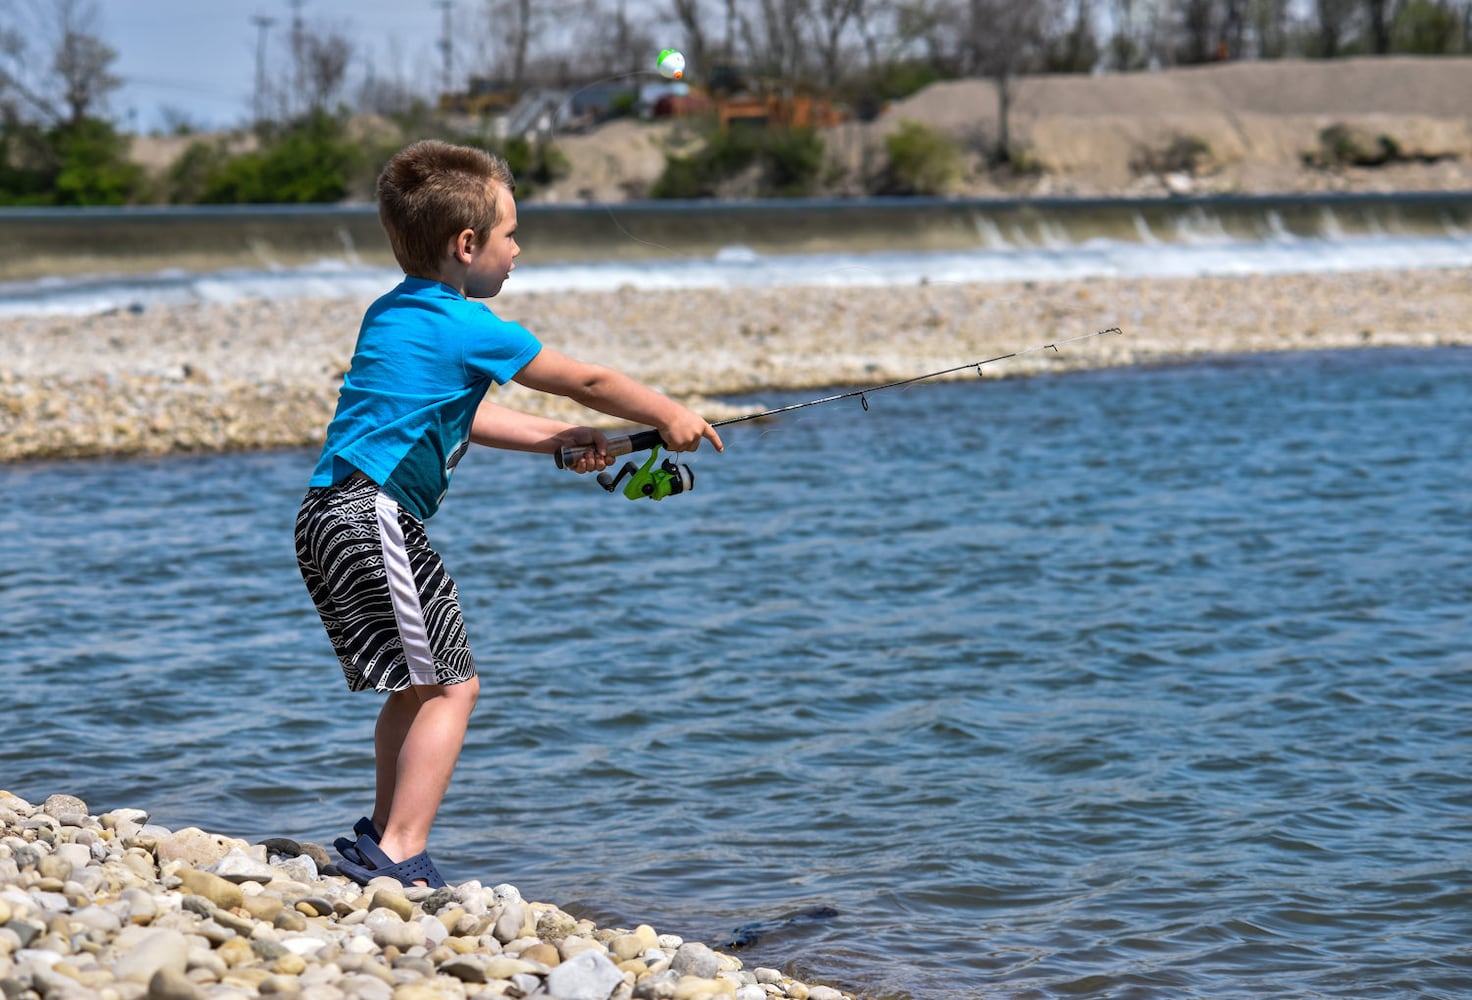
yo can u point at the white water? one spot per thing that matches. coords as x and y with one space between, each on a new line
1197 253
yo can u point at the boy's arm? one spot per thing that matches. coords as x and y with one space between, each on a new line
608 391
496 426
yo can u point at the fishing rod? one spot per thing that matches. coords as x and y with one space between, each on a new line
670 477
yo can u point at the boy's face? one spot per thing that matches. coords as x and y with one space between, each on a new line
492 262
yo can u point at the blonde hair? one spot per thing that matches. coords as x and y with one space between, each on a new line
431 191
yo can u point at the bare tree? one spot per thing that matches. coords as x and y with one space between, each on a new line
830 21
71 79
1381 15
876 24
934 29
694 19
768 32
1198 31
512 25
1003 40
325 56
1334 21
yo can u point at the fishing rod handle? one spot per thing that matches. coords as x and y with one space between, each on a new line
620 445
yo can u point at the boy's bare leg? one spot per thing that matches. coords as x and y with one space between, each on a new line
417 742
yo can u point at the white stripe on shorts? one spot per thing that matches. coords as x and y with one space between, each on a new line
403 593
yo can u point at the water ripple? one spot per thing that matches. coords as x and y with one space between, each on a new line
1161 692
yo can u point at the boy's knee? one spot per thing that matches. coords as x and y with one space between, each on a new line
465 693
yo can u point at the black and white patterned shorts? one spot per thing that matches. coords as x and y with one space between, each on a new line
391 610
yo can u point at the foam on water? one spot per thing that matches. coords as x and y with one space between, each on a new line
1194 250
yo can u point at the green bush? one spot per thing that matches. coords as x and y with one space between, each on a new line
1349 145
72 164
189 175
27 166
1424 28
789 160
897 80
922 160
533 164
310 161
1183 154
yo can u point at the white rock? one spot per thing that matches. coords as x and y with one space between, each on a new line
37 958
509 923
155 950
435 931
696 959
98 918
78 854
304 945
237 866
589 975
299 869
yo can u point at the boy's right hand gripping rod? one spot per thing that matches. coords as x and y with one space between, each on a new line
621 445
646 482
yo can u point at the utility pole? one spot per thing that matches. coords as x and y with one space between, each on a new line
258 104
298 52
447 44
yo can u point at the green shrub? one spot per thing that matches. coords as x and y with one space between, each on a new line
922 160
85 163
683 178
789 161
897 80
1424 28
188 177
310 161
1343 145
1183 154
533 164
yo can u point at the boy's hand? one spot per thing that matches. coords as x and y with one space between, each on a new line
596 459
685 432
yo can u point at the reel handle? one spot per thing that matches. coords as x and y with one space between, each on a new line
621 445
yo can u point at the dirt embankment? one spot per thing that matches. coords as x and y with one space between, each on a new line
1251 127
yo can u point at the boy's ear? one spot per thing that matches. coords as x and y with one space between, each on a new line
462 247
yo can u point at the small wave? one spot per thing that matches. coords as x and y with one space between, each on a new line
1204 252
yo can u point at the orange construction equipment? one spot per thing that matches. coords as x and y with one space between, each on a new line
778 111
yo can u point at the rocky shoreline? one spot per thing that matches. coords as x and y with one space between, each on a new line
264 374
117 908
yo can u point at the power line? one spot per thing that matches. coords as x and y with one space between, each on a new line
258 102
447 44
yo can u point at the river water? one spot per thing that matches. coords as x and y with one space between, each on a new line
1132 683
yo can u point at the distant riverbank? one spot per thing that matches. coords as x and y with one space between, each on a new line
264 373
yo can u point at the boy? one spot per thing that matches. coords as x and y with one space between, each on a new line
411 403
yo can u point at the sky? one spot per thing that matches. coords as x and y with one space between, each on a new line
199 56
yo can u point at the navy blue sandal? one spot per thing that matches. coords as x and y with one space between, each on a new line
348 849
376 864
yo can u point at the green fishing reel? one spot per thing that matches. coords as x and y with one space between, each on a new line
648 482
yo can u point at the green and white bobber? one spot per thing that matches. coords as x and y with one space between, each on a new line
671 64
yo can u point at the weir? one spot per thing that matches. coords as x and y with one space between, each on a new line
44 243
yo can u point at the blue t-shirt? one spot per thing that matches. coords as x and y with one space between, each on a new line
424 360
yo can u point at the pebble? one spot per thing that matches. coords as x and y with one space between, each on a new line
143 912
116 384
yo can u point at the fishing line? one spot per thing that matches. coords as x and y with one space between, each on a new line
863 394
669 477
